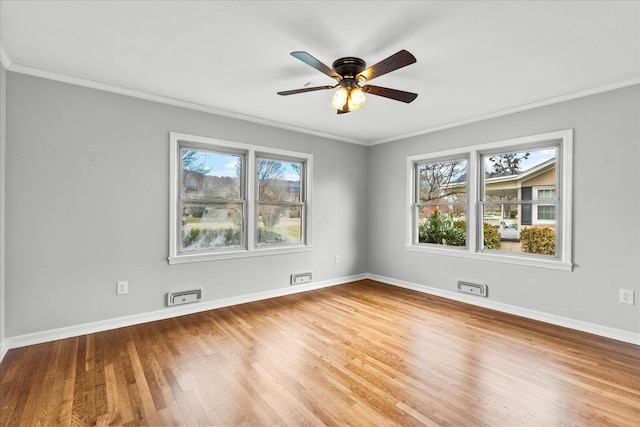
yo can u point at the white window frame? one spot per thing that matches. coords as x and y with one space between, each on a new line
252 249
564 209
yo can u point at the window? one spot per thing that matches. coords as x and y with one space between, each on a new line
541 212
280 203
212 199
507 201
441 201
232 200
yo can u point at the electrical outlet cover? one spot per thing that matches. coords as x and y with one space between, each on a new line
122 287
627 296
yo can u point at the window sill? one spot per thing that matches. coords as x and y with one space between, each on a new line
493 257
243 253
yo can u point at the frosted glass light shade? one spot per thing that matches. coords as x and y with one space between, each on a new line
339 98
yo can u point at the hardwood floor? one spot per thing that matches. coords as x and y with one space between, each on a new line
358 354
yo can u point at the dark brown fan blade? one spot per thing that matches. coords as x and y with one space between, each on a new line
310 60
306 89
392 63
398 95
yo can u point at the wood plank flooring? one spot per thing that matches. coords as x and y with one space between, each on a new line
359 354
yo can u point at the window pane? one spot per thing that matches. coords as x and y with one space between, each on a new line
442 181
211 225
512 176
500 227
546 212
278 180
519 176
208 175
279 224
503 230
442 225
546 194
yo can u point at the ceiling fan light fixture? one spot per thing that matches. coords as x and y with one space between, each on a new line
340 98
350 72
356 99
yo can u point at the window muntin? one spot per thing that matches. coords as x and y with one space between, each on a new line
219 205
499 202
440 205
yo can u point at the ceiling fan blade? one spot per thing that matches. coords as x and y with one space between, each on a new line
398 95
392 63
306 89
310 60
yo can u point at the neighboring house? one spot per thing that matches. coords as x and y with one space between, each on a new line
537 183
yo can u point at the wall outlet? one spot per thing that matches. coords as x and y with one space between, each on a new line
337 259
122 287
626 296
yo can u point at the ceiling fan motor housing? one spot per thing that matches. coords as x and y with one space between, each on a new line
349 67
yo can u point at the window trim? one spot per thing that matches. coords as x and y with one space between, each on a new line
564 208
249 181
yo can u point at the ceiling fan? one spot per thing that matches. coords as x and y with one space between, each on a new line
350 73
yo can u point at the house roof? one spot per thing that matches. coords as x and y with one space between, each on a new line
524 175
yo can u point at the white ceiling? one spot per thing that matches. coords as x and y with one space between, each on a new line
476 59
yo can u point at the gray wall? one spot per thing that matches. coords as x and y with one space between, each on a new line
3 103
606 211
87 205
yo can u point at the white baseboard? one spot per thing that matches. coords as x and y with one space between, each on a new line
592 328
167 313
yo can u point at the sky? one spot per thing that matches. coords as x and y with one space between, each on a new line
535 158
225 165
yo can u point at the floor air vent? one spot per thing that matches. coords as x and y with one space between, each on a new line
472 288
299 278
184 297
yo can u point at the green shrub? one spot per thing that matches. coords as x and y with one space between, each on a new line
442 230
269 236
270 215
461 224
196 211
196 238
491 239
538 240
190 236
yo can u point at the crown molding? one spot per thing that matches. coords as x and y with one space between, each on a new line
92 84
65 78
4 58
542 103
